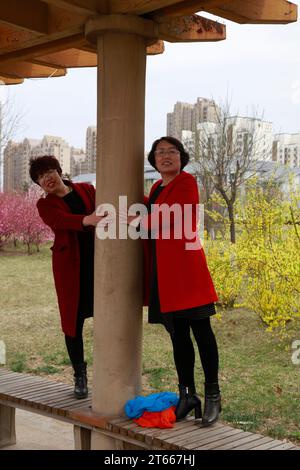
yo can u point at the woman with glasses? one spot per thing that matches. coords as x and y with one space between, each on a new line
181 292
69 210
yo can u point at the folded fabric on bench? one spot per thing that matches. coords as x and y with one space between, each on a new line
157 419
155 402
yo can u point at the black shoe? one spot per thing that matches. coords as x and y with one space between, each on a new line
80 379
188 400
212 406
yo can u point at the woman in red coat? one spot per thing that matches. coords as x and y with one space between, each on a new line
68 209
181 291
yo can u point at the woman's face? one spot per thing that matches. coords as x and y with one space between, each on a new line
167 158
50 181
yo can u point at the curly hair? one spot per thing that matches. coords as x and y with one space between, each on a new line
40 165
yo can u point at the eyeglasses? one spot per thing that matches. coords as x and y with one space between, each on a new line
42 177
162 152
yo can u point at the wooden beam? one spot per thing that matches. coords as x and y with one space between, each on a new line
30 15
28 70
69 58
139 7
183 8
10 81
42 46
156 48
191 28
61 25
257 11
11 38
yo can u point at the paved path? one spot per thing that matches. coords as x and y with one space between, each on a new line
36 432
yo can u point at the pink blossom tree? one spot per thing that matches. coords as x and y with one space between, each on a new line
5 227
20 220
30 227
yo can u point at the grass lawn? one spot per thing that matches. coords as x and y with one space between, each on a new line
260 384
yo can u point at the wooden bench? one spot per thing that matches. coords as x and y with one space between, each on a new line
53 399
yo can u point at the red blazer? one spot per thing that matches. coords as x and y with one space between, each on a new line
65 250
184 280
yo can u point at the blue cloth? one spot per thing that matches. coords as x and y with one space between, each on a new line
155 402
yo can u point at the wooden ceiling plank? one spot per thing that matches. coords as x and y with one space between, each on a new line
60 20
30 15
85 7
11 39
138 7
260 11
88 47
192 28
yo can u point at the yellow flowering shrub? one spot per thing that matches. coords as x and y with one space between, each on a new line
269 254
221 257
262 269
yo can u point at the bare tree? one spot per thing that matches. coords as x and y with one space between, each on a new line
230 151
10 122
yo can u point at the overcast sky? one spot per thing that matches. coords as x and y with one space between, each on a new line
257 66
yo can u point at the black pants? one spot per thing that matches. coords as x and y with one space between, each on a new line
184 354
75 344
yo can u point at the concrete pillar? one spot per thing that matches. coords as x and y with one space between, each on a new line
118 263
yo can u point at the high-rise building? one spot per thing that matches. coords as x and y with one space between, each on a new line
187 116
91 149
10 173
17 156
58 148
16 164
79 163
286 149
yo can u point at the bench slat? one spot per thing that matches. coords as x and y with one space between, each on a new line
56 400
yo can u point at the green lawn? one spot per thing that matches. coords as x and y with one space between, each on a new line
260 384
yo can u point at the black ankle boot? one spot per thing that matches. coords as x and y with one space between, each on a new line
80 379
188 400
212 406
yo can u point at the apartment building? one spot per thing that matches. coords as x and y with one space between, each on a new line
10 167
17 157
286 149
243 136
187 116
58 147
79 164
91 149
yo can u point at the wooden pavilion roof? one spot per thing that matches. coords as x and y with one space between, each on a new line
42 38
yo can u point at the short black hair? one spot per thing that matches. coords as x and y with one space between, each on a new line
40 165
184 156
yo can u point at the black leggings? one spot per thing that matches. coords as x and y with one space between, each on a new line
184 354
75 344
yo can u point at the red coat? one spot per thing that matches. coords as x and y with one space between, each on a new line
65 250
184 280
